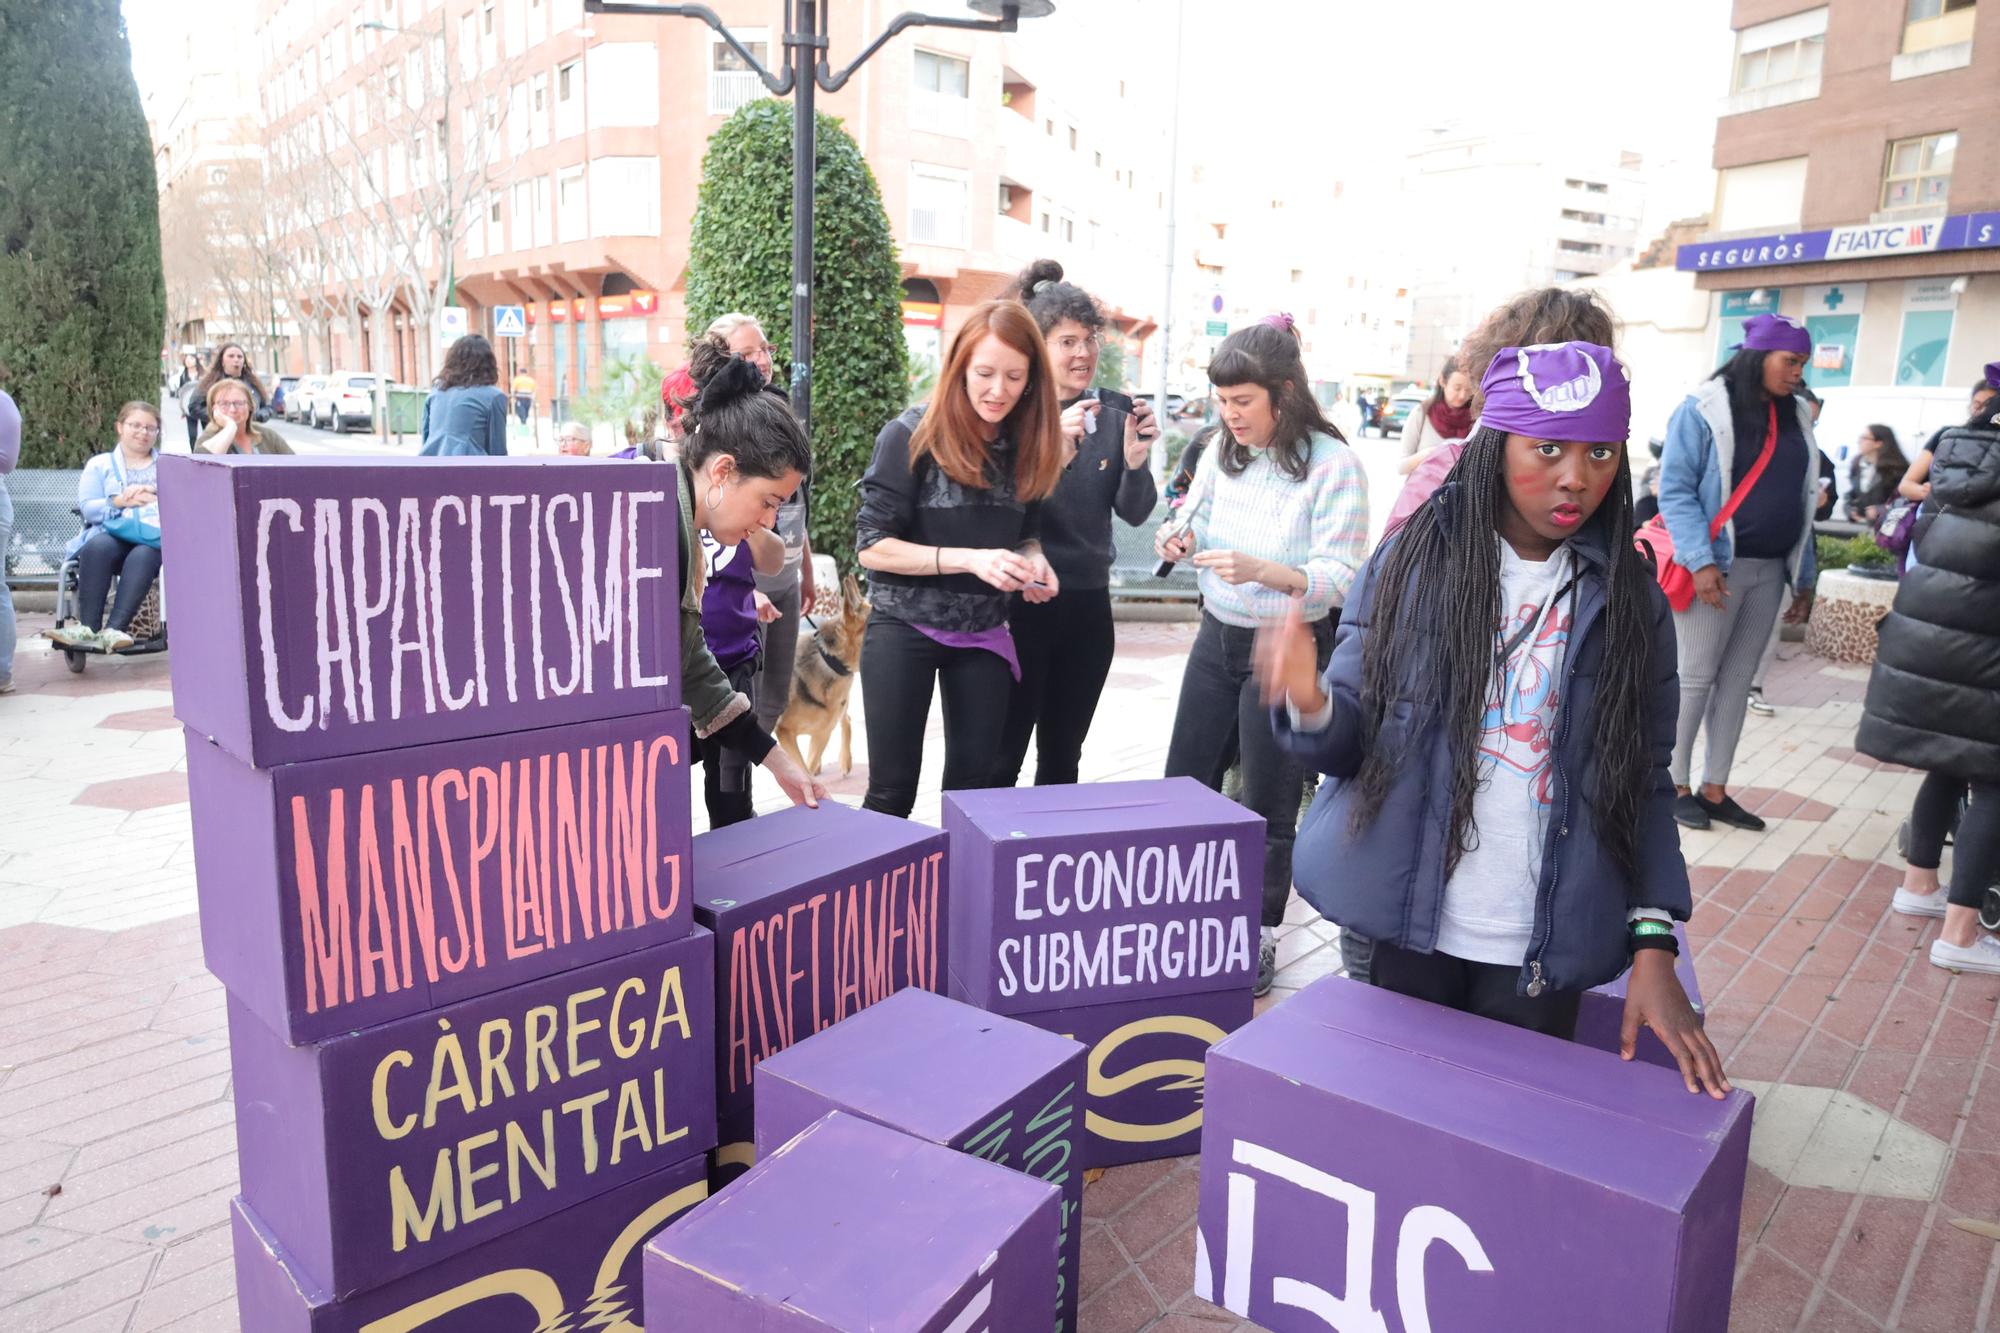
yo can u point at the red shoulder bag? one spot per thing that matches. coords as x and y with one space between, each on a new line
1655 541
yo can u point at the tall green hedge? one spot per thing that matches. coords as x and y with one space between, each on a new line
82 302
740 258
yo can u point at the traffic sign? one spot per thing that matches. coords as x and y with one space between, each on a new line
451 323
1218 328
510 321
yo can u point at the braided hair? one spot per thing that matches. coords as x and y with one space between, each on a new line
1437 599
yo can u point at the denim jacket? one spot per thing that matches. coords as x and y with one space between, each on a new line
1694 468
1387 881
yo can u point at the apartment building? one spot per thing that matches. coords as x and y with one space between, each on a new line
1489 214
565 174
1858 188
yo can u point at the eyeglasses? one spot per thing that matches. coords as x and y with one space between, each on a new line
144 430
1071 346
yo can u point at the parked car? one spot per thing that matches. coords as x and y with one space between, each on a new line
348 399
1399 411
281 395
299 400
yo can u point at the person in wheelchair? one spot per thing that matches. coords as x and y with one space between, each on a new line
119 501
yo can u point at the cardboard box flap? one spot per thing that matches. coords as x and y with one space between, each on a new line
854 1225
1564 1106
1043 812
964 1053
759 857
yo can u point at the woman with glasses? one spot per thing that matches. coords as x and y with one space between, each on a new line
124 478
1065 643
230 429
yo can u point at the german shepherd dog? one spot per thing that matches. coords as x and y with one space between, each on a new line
823 676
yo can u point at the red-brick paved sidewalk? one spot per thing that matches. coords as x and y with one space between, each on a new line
1878 1076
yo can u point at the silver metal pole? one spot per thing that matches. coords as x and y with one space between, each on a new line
1167 287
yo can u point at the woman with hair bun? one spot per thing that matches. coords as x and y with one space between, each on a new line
1065 645
743 457
950 529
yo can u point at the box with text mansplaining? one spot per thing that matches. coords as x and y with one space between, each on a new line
854 1228
378 1153
958 1076
1483 1176
817 914
342 893
577 1269
1144 1069
326 607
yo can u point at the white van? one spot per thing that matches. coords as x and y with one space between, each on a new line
1913 413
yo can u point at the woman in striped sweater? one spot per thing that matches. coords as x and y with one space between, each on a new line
1277 515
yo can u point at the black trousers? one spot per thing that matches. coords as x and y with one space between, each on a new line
1065 647
725 774
901 668
103 558
1486 989
1975 852
1221 719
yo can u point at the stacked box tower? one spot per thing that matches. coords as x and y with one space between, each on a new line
439 772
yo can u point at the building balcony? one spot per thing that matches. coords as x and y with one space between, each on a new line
729 89
1935 60
1768 95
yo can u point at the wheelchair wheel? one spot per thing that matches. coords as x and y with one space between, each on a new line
76 659
1989 910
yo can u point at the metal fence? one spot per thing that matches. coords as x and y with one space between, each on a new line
45 520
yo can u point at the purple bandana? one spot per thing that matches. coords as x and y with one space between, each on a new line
1775 333
1993 374
1558 391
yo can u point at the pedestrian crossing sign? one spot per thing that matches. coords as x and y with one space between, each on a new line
510 321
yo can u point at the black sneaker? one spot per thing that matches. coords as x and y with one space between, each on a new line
1759 706
1267 968
1690 811
1728 812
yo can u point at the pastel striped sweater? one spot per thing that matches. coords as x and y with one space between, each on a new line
1318 525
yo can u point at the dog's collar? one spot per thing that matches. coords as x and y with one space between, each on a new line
839 667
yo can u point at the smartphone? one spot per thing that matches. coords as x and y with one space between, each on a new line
1113 398
1166 567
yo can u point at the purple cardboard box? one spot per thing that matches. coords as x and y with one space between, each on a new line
1112 891
1483 1177
380 1153
853 1228
817 914
336 606
1143 1076
1601 1018
956 1076
348 892
578 1269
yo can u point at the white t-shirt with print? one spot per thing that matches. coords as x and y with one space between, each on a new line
1489 902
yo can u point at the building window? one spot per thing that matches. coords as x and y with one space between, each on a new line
524 212
1779 61
1930 24
538 110
621 85
544 217
1917 174
569 99
1580 247
1578 215
572 206
1072 138
937 205
943 87
1066 229
625 196
731 81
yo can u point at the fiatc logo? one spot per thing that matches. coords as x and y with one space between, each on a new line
1149 1100
1890 239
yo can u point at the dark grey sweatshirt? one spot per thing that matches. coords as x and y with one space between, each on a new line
1076 520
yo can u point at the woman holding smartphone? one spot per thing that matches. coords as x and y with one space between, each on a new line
1064 645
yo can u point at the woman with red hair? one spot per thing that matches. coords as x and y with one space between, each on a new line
949 530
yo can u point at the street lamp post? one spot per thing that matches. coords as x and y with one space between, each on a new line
806 73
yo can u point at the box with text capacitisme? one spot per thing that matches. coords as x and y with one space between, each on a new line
854 1228
1113 891
1483 1176
335 606
817 914
958 1076
379 1153
578 1269
343 893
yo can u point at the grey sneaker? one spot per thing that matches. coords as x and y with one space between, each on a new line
1267 968
1759 706
73 633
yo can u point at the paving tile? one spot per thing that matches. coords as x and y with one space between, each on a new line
1770 1295
1944 1294
1874 1250
1125 1306
1806 1224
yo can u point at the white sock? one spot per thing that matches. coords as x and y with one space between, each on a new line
1269 936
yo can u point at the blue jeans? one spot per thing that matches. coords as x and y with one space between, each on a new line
6 595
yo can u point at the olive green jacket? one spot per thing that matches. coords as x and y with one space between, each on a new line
710 699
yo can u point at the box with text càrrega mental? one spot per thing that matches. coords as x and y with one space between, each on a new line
578 1269
1477 1171
342 893
854 1228
378 1153
817 914
325 607
957 1076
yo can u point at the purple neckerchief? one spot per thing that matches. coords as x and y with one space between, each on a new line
998 641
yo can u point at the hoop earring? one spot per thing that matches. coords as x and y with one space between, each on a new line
714 499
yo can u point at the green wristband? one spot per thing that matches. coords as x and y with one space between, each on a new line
1648 926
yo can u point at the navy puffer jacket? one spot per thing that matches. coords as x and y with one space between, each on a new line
1934 696
1387 882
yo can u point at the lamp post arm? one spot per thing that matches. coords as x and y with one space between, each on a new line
780 85
833 83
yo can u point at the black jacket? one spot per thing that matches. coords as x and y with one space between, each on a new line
1934 696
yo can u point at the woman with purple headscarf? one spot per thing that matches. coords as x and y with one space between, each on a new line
1745 434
